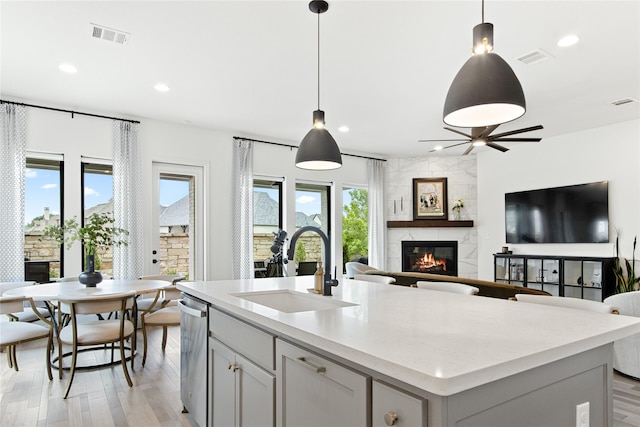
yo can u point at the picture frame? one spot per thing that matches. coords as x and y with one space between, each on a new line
430 198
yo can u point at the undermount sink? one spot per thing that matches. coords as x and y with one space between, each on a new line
289 301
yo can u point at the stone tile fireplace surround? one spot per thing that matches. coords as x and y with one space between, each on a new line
461 178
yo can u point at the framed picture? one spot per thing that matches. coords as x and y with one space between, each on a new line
429 198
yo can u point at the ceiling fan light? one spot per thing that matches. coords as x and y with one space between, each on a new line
479 142
485 92
318 151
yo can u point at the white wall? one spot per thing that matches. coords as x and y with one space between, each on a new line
461 184
55 132
610 153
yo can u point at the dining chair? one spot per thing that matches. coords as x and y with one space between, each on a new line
576 303
144 304
458 288
14 333
97 332
167 315
31 313
387 280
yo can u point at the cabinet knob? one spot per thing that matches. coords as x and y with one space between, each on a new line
390 418
233 368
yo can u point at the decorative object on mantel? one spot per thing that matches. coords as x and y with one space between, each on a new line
458 204
98 232
430 198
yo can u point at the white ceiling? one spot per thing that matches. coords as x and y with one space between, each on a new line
386 66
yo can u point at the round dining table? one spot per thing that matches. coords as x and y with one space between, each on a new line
55 291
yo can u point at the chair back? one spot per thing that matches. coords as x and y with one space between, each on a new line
96 304
172 278
457 288
5 286
352 268
579 304
11 304
387 280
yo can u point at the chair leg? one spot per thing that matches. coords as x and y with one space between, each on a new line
14 358
164 337
123 361
59 358
48 358
72 370
144 343
9 361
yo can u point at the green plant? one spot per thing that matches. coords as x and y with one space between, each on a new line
301 253
97 232
355 239
626 281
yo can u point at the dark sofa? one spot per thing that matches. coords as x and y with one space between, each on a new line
487 289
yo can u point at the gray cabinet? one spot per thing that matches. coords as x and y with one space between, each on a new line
393 407
242 393
314 391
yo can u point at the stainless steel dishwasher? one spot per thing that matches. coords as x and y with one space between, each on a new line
193 357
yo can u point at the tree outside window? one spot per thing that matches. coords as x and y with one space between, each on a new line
355 231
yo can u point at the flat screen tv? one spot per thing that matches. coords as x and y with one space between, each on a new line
571 214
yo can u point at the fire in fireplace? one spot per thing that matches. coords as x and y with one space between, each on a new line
437 257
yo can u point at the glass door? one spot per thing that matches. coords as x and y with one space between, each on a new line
178 221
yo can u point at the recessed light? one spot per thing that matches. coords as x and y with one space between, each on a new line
68 68
343 128
161 87
569 40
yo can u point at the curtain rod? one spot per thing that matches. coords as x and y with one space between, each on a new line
2 101
294 146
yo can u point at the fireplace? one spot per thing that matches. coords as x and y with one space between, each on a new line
436 257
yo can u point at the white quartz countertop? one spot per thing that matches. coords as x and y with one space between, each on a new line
440 342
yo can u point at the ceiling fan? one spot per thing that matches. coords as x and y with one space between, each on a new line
482 136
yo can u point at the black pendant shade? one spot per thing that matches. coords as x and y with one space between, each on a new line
486 91
318 150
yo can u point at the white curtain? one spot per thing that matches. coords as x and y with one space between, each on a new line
13 148
128 261
377 226
242 251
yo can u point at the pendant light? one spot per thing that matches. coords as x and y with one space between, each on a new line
318 150
485 91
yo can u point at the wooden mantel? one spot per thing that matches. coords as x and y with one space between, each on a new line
429 223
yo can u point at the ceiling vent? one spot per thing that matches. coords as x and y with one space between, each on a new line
535 57
624 101
109 34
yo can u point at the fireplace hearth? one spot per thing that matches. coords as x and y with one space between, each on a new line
436 257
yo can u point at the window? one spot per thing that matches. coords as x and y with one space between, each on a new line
176 219
312 209
43 193
267 220
97 190
355 230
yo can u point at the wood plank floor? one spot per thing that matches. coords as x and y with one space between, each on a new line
102 398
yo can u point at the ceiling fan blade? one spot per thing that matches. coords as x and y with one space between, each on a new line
496 146
459 132
468 150
513 132
518 139
449 146
442 140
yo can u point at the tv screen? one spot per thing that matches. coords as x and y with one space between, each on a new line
572 214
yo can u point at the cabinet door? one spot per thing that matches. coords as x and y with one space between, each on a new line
313 391
223 393
256 395
392 407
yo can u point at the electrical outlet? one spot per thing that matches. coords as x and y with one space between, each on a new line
582 415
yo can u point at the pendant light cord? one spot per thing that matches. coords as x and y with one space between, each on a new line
483 11
319 60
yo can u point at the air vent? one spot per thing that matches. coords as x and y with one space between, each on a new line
624 101
535 57
109 34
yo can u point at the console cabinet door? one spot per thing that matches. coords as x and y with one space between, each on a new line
392 407
314 391
223 393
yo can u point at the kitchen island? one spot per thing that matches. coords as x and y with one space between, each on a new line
456 360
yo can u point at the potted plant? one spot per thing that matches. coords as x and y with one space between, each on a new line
626 281
98 232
